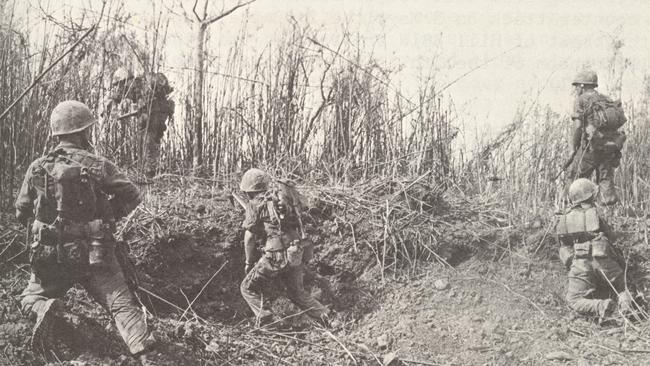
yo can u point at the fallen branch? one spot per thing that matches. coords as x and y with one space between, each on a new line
202 289
39 77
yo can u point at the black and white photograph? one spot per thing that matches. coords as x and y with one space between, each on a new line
324 182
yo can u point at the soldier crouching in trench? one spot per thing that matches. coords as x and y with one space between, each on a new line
586 250
75 198
271 215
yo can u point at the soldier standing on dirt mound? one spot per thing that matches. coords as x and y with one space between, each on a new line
596 144
271 214
146 100
75 198
585 248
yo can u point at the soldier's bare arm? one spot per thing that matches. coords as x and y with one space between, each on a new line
25 200
607 230
249 249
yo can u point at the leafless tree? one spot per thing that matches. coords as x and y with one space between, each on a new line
203 21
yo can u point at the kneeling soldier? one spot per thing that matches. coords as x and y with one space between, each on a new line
586 249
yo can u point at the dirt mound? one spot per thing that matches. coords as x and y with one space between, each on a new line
406 267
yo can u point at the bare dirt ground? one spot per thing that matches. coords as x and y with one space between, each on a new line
491 297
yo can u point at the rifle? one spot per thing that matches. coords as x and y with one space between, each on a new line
127 115
236 196
566 165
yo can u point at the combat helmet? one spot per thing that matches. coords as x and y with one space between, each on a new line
121 74
581 190
586 77
70 117
255 180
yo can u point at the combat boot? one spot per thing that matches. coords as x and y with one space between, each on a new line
45 321
627 308
153 358
605 310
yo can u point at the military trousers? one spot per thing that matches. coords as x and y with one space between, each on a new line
150 151
591 282
603 163
107 286
264 275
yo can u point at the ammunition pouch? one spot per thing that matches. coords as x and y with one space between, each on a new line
597 248
277 259
295 253
42 256
74 243
600 246
607 141
582 250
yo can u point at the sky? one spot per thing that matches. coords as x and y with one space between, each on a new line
526 49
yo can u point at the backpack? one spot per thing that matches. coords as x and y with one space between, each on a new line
578 226
159 85
605 114
284 201
74 187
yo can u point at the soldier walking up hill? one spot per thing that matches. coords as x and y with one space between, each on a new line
596 142
146 99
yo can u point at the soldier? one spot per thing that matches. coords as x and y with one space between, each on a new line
75 198
596 144
272 216
585 248
147 100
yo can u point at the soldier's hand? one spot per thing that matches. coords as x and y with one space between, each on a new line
22 217
247 268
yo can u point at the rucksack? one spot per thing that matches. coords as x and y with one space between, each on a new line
159 85
605 114
284 200
578 226
74 187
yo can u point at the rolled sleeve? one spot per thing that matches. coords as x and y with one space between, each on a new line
25 201
126 196
578 109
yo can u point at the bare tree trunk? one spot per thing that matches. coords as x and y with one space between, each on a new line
199 75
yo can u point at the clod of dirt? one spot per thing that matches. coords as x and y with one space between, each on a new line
391 359
441 284
200 209
213 346
383 341
559 355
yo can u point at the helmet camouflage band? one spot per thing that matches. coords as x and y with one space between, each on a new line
255 180
581 190
586 77
70 117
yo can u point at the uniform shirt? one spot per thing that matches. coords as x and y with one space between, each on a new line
124 195
582 103
156 109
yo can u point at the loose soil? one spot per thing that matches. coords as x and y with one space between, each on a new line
492 294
